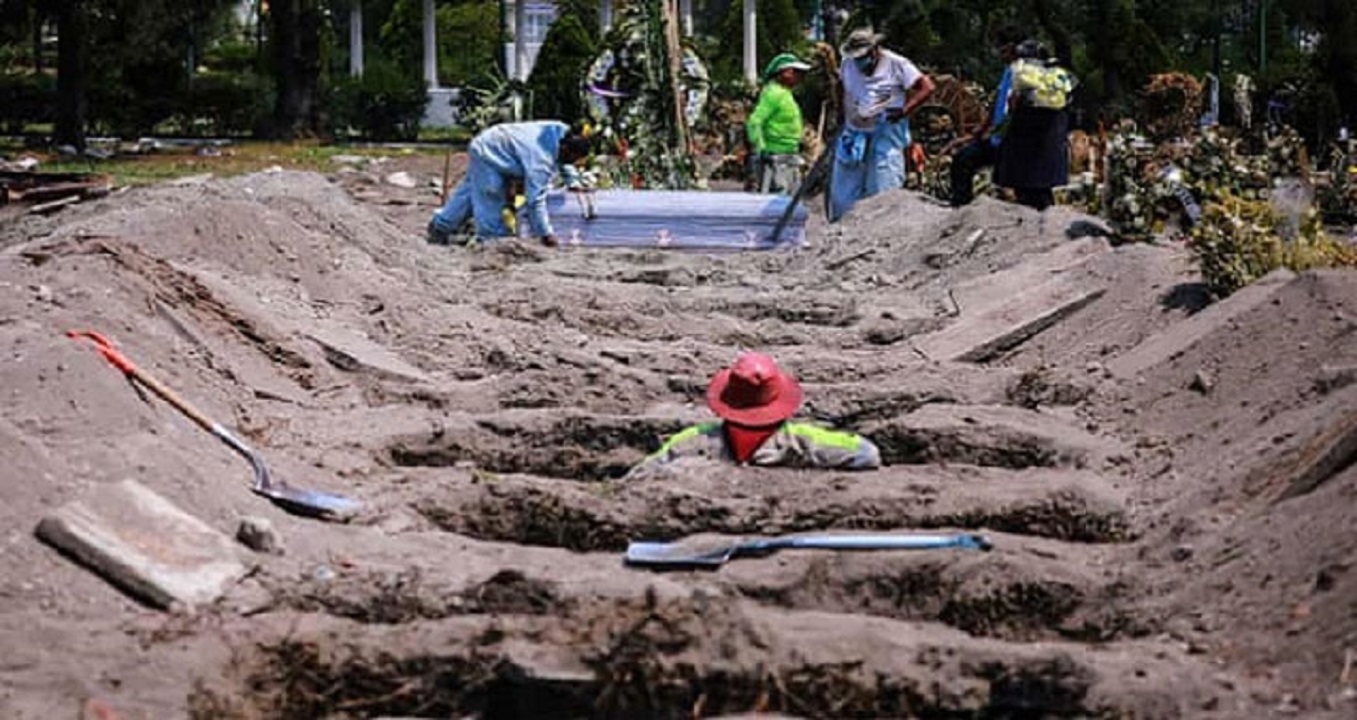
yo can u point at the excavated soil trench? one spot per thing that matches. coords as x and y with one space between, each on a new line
1136 462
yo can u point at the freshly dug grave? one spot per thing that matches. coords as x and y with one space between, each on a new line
1168 482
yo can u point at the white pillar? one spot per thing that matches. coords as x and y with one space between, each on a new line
356 38
605 16
686 17
520 39
430 46
751 54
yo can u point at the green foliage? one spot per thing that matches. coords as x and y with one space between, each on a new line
468 44
948 36
779 30
468 39
26 99
228 103
139 49
585 11
555 82
1239 241
386 103
401 37
121 101
495 99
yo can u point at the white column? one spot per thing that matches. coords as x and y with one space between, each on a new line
686 17
605 16
751 54
520 39
356 38
430 46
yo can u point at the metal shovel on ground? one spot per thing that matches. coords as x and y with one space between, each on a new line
713 554
313 503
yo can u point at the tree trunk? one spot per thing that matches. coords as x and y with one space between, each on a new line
72 39
295 36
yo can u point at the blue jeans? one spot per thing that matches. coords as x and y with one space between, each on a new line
480 195
882 168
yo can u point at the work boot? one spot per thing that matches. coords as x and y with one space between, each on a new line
436 235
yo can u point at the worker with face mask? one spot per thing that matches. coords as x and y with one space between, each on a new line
531 152
775 127
756 400
880 91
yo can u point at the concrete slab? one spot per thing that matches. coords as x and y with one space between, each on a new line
1178 338
353 351
145 545
988 291
346 349
981 335
1324 446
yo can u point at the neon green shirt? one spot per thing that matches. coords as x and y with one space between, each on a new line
775 125
795 444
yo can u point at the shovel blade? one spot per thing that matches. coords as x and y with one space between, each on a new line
311 503
676 555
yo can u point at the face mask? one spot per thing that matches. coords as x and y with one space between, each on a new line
865 63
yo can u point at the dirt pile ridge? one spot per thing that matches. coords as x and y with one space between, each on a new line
1172 542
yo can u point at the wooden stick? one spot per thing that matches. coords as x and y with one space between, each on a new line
447 168
54 205
675 52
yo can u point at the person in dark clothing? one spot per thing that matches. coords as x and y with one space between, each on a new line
1035 155
981 150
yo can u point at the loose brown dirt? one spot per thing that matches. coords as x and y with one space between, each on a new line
1174 542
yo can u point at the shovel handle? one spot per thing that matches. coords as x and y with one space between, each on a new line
812 176
966 541
120 361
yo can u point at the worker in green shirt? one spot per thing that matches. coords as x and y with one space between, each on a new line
774 128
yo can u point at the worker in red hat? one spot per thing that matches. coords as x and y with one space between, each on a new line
756 400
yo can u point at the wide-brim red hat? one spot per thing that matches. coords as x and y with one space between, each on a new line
754 392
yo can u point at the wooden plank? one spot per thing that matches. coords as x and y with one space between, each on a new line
145 545
982 336
48 207
354 351
991 290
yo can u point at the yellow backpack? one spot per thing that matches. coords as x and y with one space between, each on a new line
1041 85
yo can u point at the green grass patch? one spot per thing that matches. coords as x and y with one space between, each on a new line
235 159
449 134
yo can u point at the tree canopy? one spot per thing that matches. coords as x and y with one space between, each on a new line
127 66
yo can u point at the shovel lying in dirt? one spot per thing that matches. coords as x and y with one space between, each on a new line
711 554
312 503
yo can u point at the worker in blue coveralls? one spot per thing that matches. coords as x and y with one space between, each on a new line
756 400
529 151
880 91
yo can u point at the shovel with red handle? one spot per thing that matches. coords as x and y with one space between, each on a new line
306 502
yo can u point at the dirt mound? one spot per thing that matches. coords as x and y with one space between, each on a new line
1255 430
1158 473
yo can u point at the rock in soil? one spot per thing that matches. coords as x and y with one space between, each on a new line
259 535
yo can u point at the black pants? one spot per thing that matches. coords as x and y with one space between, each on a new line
1038 198
965 164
